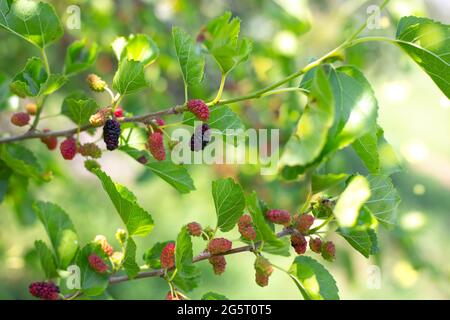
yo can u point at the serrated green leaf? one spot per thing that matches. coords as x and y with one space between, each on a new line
139 47
37 23
223 43
316 282
351 201
92 282
356 108
130 77
263 230
310 136
78 107
60 230
191 60
80 56
33 80
364 241
22 161
129 260
229 201
384 199
187 273
137 221
175 175
427 42
213 296
47 259
321 183
189 279
152 256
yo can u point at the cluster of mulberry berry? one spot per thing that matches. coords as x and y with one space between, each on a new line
111 134
216 247
168 256
97 264
44 290
263 270
20 119
199 108
277 216
51 142
201 137
68 148
155 144
96 83
246 228
194 229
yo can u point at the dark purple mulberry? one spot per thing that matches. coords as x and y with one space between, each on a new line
111 133
201 137
44 290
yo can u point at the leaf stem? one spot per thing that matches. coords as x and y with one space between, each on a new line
220 92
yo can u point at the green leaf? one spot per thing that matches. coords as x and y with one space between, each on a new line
22 161
37 23
60 230
263 230
310 136
139 47
80 56
427 42
175 175
317 283
192 62
229 201
129 260
213 296
130 77
78 107
223 43
324 182
351 201
47 259
33 80
187 273
5 174
356 108
384 199
189 279
92 282
137 221
152 256
364 241
4 91
376 153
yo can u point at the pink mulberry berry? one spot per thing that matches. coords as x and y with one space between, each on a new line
20 119
219 264
219 245
155 145
168 256
304 222
51 141
299 243
199 109
194 229
44 290
279 216
97 264
315 245
328 251
68 148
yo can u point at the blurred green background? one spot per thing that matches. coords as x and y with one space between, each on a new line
414 257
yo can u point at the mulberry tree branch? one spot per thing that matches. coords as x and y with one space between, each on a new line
200 257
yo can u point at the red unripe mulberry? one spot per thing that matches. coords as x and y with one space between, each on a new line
279 216
118 113
328 251
299 243
194 229
219 264
97 264
20 119
199 108
315 244
246 228
155 145
68 148
168 256
261 280
219 245
44 290
304 222
51 141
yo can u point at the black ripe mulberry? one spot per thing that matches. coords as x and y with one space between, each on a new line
201 137
111 133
